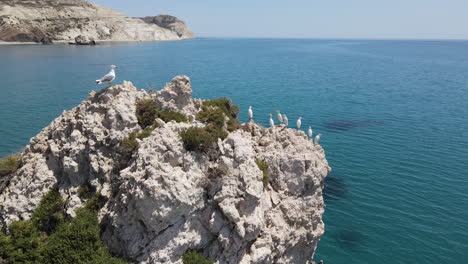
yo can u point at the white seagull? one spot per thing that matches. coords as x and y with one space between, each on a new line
278 115
285 120
250 113
299 122
317 139
272 123
108 78
310 132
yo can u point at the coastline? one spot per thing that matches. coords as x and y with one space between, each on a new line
97 42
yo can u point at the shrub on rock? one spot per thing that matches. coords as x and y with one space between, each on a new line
146 112
9 164
193 257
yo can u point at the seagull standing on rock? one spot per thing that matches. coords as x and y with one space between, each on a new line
278 115
299 122
250 113
272 123
310 132
317 139
285 120
108 78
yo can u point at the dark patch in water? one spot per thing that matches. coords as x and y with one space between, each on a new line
335 188
344 125
349 238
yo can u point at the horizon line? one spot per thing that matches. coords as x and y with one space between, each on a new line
331 38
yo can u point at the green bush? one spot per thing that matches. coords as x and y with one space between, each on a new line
233 124
9 164
24 244
169 115
146 112
225 104
129 143
73 241
196 138
263 166
212 115
78 241
193 257
86 191
50 212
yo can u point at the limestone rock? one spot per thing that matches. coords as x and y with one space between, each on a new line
84 40
63 20
164 200
170 22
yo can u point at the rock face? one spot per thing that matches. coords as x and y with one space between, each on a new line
83 40
164 200
63 20
170 22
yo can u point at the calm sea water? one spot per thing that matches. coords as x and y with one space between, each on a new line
393 115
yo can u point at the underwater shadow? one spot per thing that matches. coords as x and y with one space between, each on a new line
335 188
345 125
349 238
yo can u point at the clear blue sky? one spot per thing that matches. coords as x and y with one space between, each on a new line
407 19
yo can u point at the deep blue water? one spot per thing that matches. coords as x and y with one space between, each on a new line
393 115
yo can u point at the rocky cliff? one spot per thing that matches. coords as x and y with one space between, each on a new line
63 20
164 200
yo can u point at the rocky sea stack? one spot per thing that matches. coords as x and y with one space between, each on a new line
43 21
167 190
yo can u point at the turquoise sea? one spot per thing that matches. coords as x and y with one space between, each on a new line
393 114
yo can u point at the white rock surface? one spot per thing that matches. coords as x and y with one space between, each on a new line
166 200
63 20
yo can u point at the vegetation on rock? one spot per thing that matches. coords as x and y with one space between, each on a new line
146 112
9 164
48 237
168 115
263 166
129 143
214 113
193 257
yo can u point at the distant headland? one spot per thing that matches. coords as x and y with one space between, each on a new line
34 21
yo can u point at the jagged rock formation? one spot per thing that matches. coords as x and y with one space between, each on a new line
63 20
170 22
164 200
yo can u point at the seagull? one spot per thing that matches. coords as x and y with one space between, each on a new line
250 113
317 139
285 120
278 115
310 132
272 123
108 78
298 123
195 121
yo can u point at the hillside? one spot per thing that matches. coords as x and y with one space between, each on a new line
63 20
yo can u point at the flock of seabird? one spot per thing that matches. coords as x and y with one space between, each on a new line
282 118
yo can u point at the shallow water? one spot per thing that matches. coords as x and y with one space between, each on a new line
393 115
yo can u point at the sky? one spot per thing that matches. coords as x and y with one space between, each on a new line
350 19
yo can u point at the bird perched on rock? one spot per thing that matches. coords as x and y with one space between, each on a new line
278 115
285 120
299 122
272 123
108 78
250 113
317 139
194 120
309 132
